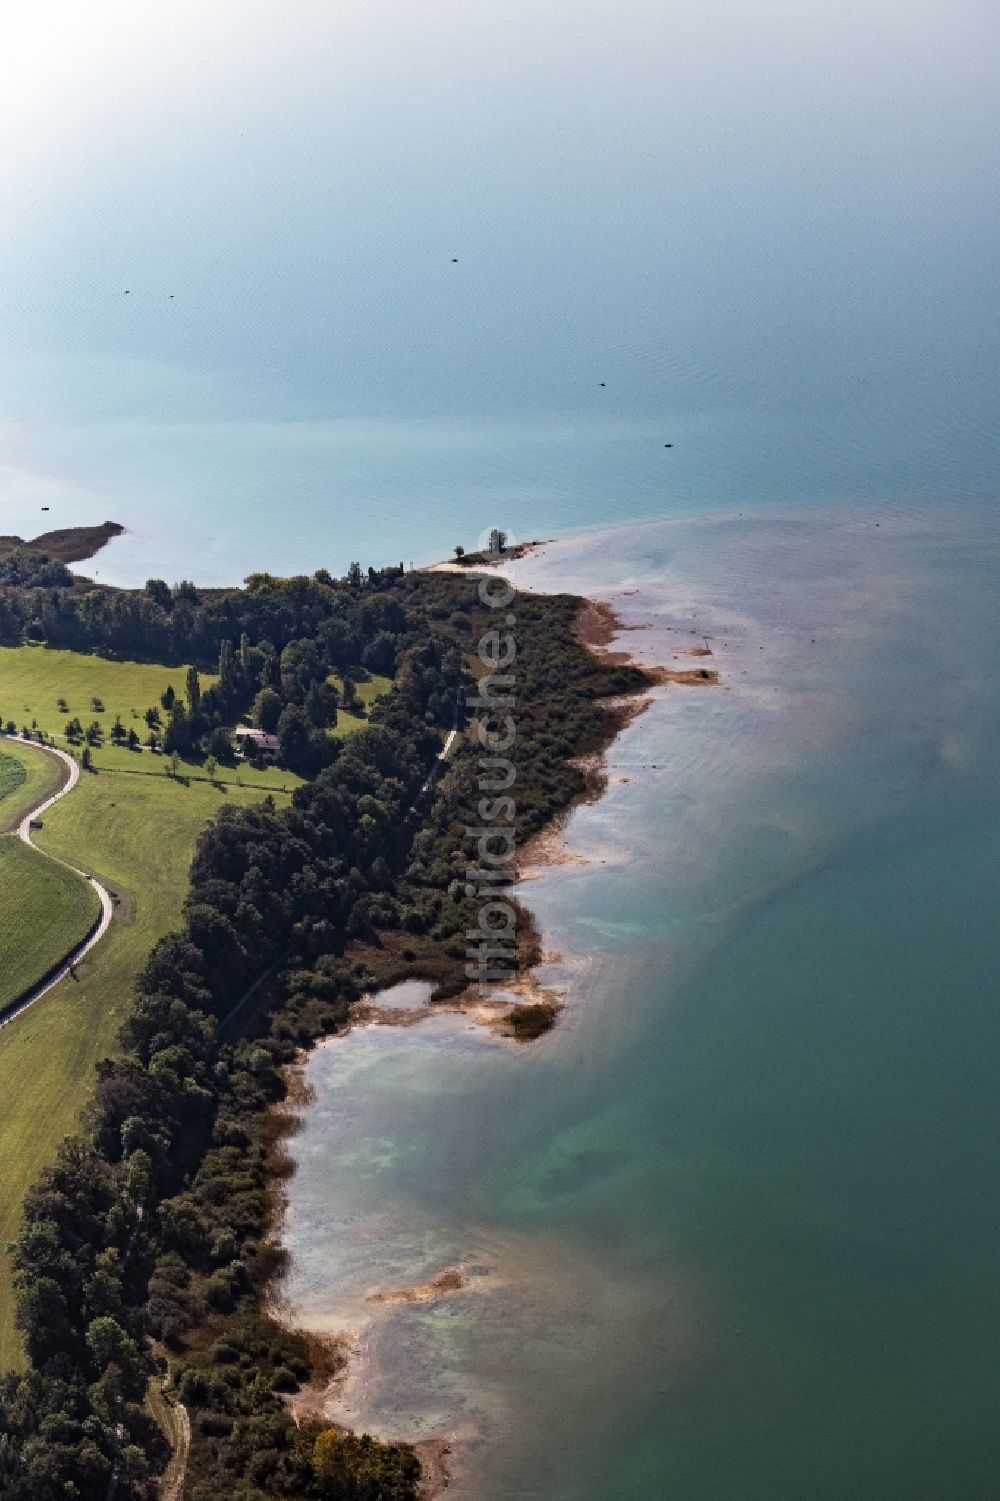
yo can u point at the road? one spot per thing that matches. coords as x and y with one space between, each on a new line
439 761
15 1008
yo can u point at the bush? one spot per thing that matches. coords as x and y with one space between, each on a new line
284 1380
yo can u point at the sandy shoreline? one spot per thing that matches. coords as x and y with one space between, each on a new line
599 627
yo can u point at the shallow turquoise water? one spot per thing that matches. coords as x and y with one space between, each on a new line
732 1224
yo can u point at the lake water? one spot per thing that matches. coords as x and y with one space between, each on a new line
288 285
327 283
729 1230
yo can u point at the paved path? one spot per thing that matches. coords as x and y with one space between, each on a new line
36 992
437 764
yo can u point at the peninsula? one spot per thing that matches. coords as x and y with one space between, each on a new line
262 884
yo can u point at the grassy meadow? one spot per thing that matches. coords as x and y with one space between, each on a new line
27 778
368 692
135 828
45 912
34 678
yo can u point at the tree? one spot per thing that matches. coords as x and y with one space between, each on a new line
459 550
133 738
220 744
267 709
321 705
301 665
167 697
192 686
179 735
159 592
294 738
227 669
175 762
94 733
86 760
211 767
348 1466
270 670
109 1345
380 654
152 717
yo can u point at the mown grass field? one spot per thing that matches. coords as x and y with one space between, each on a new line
26 779
45 912
12 774
34 678
134 827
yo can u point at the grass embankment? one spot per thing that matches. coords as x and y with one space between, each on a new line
34 678
45 912
135 828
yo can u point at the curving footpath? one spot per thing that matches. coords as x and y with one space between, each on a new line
97 932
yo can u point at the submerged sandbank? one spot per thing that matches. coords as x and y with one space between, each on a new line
368 1350
643 1193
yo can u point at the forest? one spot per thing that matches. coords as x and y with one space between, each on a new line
143 1260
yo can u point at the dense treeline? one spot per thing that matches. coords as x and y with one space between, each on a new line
289 693
24 568
274 644
43 600
150 1197
146 1241
560 707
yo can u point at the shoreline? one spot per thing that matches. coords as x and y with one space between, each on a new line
597 627
68 544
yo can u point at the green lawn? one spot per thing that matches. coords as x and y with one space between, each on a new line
34 678
135 828
12 775
45 912
27 778
367 693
